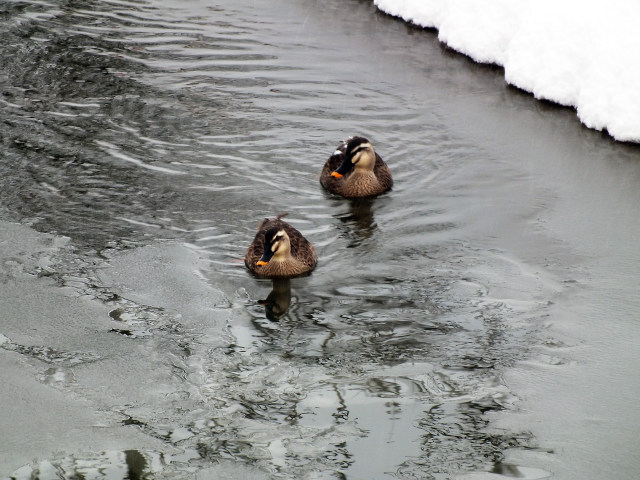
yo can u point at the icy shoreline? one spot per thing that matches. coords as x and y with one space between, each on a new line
578 54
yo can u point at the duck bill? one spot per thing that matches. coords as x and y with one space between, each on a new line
266 256
344 167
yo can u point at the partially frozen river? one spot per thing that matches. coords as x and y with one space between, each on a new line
480 321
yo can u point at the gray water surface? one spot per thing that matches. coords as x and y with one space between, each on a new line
472 323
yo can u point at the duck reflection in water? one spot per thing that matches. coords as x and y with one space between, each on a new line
358 223
278 301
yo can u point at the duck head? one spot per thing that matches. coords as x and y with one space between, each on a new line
359 155
276 246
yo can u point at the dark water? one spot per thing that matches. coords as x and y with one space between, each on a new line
156 135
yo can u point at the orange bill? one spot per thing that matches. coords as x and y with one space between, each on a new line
261 263
336 174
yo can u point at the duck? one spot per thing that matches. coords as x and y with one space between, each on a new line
355 170
279 251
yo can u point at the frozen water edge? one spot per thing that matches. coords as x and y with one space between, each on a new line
98 364
49 334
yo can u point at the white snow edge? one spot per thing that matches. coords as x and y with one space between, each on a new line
584 54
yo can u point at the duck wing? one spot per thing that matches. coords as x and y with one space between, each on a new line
382 173
301 248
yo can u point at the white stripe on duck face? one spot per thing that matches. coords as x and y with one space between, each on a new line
275 243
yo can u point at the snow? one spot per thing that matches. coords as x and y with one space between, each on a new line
579 53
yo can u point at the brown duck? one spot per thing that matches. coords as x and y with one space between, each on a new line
279 250
356 170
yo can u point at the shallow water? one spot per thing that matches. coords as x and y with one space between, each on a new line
470 322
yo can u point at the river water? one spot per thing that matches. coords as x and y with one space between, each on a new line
477 322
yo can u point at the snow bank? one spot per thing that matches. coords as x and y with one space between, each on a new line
579 53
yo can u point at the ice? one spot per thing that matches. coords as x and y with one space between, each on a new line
579 54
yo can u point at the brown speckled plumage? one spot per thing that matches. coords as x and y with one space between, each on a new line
356 182
298 259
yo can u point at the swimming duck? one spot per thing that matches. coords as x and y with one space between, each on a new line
356 170
279 250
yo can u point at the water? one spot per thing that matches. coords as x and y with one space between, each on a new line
470 323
